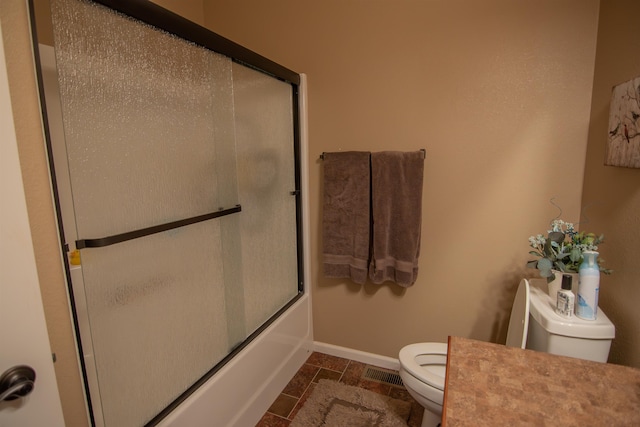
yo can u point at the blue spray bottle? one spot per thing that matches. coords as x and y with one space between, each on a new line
588 286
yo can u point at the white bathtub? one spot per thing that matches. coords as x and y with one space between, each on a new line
242 391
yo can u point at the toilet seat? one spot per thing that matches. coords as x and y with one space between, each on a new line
519 320
426 362
423 365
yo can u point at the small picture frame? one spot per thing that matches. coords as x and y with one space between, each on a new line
623 140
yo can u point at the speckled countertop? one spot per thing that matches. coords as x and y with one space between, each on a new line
494 385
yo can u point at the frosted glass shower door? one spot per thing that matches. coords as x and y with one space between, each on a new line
177 182
149 136
266 172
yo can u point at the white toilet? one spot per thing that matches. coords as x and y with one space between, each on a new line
422 365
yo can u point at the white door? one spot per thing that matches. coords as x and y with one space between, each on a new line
23 331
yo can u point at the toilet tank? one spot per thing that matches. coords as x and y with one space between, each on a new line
574 337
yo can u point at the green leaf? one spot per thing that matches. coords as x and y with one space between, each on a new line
576 254
544 264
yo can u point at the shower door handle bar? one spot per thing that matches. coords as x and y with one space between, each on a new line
118 238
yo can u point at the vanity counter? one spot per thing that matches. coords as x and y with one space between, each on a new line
494 385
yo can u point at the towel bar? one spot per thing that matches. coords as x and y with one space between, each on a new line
424 154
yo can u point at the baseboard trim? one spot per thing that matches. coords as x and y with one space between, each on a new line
357 355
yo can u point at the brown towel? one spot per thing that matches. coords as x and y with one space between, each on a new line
345 216
396 187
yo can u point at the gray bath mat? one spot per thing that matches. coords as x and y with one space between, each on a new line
332 404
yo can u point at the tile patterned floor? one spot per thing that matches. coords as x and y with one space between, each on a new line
322 366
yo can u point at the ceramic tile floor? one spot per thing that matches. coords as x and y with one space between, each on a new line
323 366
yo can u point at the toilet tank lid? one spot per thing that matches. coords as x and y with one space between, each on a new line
542 310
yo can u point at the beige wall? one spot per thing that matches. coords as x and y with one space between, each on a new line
498 93
499 96
612 193
190 9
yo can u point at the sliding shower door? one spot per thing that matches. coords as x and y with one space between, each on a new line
176 182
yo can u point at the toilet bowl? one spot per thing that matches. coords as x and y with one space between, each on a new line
423 365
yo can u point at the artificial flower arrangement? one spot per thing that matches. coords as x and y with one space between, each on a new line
562 249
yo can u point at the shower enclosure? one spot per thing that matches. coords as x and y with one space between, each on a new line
175 160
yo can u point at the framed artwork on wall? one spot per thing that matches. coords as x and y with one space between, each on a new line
623 140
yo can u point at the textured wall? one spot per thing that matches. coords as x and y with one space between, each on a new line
498 93
612 194
190 9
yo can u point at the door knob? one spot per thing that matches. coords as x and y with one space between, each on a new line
16 382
